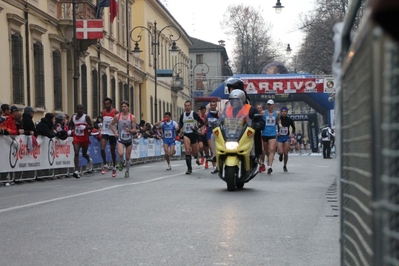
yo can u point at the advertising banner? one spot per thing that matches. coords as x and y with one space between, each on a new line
281 85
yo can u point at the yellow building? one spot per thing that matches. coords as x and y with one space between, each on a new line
38 66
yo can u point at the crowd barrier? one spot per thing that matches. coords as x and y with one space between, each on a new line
53 158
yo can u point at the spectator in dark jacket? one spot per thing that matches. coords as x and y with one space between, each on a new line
46 126
60 127
27 121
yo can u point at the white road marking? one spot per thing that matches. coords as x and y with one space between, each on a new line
85 193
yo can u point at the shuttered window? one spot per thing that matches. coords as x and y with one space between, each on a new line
57 80
39 74
17 68
95 93
83 70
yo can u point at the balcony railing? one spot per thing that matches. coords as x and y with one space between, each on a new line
84 9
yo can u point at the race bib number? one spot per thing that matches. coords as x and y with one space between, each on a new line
284 131
168 133
80 130
270 121
107 124
188 128
125 135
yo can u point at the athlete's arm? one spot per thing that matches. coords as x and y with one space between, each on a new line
199 120
71 125
89 123
133 130
112 127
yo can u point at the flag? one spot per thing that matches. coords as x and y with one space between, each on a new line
113 10
89 29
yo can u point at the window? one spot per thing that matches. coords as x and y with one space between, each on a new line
164 110
120 91
159 109
84 85
131 99
94 76
39 75
123 13
199 59
113 89
125 92
104 85
152 109
17 69
57 80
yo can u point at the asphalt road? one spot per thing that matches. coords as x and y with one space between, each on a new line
159 217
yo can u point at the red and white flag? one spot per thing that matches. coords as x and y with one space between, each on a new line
113 10
89 29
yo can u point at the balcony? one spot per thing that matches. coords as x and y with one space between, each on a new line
85 9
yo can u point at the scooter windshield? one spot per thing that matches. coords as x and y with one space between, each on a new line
233 120
233 127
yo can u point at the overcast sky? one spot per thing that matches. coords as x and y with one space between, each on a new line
201 19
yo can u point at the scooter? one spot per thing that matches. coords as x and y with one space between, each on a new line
235 157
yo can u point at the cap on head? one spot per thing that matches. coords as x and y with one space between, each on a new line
60 117
14 108
284 109
29 109
270 101
237 94
235 83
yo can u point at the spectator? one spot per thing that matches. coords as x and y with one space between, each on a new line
2 131
98 124
10 124
157 134
5 108
46 126
60 127
148 133
142 126
27 121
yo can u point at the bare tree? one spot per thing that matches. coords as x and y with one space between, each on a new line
315 54
251 35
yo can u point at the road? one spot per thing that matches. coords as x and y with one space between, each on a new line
159 217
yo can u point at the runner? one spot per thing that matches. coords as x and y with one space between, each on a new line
202 141
283 136
188 125
79 126
126 127
211 118
107 135
169 128
269 134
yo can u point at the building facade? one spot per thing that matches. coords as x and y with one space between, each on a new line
38 59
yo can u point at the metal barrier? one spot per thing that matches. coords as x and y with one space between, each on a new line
369 144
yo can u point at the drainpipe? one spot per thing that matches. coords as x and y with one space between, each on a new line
26 14
127 54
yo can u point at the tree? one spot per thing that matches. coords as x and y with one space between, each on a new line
251 35
315 54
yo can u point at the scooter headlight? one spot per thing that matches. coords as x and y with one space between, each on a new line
231 145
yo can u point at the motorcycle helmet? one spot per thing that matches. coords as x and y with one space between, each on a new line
235 83
237 94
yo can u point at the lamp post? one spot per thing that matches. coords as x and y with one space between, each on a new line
75 56
204 71
278 7
155 43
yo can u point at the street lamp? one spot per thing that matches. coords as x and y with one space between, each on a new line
177 71
288 49
155 37
278 7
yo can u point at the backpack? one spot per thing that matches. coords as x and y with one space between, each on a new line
324 133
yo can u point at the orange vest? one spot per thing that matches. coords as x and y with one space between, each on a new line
243 112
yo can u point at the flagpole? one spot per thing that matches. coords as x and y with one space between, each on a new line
75 56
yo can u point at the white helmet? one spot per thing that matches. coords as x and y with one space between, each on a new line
238 94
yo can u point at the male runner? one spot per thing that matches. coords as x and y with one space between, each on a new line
107 135
188 125
79 126
169 128
126 127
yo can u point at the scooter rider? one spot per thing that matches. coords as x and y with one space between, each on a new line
238 107
236 83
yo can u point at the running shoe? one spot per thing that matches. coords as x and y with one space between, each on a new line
114 172
285 169
126 174
280 158
206 165
169 168
197 162
189 171
120 166
76 174
262 168
269 171
89 165
202 160
105 169
215 171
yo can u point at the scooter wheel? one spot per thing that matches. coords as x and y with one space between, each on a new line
230 173
240 185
